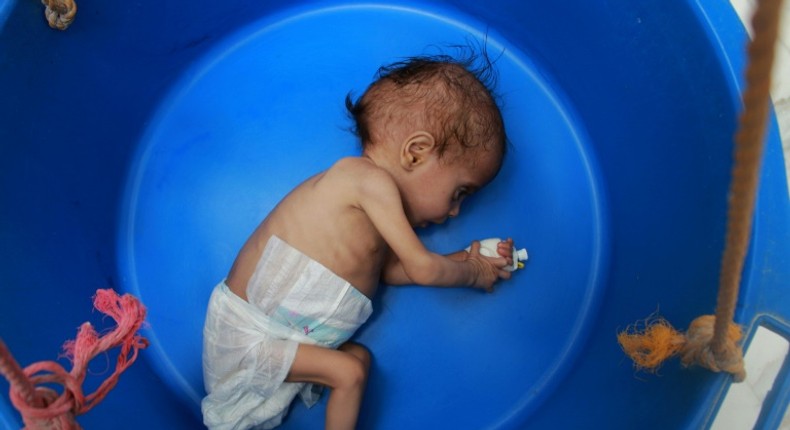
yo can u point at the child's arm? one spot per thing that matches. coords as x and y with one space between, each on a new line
393 273
380 198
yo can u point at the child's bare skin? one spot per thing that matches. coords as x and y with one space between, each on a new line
358 217
366 237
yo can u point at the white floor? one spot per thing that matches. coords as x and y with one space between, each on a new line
744 401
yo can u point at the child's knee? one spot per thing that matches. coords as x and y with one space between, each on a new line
353 372
359 352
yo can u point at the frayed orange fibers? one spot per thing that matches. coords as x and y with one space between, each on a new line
650 346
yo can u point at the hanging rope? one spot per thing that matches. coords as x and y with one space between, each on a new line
42 407
60 13
714 341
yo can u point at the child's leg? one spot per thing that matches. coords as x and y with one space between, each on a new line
344 370
358 351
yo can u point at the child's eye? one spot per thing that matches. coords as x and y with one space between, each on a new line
460 194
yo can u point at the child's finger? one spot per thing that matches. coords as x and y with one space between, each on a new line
505 248
498 262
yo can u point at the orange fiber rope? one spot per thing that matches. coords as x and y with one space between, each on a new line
714 341
42 407
748 154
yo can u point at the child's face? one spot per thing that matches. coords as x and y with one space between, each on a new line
441 187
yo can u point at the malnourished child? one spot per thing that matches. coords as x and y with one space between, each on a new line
279 324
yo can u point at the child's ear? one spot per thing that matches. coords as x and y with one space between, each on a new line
416 149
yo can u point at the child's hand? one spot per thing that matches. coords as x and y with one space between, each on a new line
505 249
488 270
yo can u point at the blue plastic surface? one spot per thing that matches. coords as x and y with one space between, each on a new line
139 149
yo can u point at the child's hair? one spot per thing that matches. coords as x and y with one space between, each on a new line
448 97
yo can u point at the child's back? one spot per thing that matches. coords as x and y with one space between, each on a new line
323 218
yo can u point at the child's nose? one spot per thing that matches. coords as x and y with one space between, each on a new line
454 211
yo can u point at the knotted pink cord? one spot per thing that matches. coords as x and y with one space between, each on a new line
42 407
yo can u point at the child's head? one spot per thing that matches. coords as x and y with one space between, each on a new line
448 98
446 103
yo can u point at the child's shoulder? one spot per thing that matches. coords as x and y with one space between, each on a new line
357 167
363 174
353 163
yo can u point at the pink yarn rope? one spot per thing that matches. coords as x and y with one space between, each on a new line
42 407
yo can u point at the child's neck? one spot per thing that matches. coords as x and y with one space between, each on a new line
377 157
384 160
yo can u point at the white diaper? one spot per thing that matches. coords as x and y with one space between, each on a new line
248 347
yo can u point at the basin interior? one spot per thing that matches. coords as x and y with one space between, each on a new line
255 117
141 147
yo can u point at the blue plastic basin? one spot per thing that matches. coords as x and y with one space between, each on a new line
139 149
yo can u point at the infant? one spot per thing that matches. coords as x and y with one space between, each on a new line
279 324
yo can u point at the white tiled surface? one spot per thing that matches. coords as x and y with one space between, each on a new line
763 361
753 391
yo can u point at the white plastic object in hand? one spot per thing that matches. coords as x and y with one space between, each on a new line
488 248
